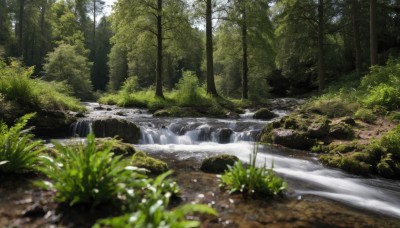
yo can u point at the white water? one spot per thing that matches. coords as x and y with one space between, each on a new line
198 138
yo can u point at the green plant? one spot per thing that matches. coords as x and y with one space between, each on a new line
383 95
366 115
81 174
152 211
391 141
18 152
252 180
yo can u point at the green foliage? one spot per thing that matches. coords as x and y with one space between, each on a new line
391 141
366 115
18 151
81 174
66 64
17 85
142 160
152 209
252 180
188 91
383 95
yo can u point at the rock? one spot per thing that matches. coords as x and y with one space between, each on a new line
319 129
350 121
292 139
218 164
232 115
119 148
120 113
264 114
34 211
109 109
55 124
341 131
155 166
163 113
98 108
224 135
80 115
127 131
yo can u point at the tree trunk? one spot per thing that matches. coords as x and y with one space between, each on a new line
94 30
356 34
245 66
20 27
42 40
209 51
159 92
373 34
321 63
2 18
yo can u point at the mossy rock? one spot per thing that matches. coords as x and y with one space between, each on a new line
292 139
224 135
264 114
118 148
127 131
155 166
319 128
348 120
218 164
348 164
341 131
385 170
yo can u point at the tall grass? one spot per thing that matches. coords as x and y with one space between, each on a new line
17 85
18 151
251 180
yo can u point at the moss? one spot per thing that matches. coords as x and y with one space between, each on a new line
385 170
155 166
319 148
354 166
264 114
341 131
218 164
343 148
118 148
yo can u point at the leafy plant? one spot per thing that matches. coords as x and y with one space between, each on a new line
365 115
152 211
18 152
81 174
252 180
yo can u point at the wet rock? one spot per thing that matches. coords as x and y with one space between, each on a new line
118 148
34 211
341 131
292 139
99 108
218 164
232 115
109 109
264 114
125 130
80 115
142 160
224 135
53 124
120 113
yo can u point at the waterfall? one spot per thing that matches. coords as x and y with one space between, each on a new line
81 128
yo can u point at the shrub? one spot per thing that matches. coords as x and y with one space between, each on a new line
189 92
18 152
334 104
383 95
251 180
81 174
365 115
391 141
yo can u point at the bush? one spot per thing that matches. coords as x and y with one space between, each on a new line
251 180
383 95
391 141
365 115
17 85
18 152
81 174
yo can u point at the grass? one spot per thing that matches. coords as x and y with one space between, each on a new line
17 85
18 151
251 180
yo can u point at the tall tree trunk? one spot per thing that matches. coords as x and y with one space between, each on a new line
94 30
373 35
20 27
159 92
2 18
321 63
356 33
42 50
209 51
245 66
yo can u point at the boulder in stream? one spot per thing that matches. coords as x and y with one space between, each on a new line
127 131
292 139
264 114
155 166
224 135
218 164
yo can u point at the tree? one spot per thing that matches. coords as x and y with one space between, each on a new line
67 64
373 33
321 54
211 89
356 33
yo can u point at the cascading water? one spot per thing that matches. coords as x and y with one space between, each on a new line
197 138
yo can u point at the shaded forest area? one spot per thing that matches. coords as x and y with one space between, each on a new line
237 49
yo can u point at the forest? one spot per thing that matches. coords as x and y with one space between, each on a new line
279 108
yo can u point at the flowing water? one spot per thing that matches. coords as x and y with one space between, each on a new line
197 138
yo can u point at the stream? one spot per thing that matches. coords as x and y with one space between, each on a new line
193 139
